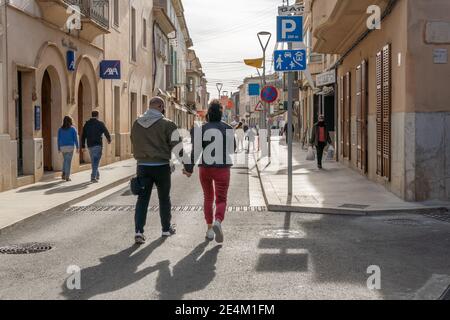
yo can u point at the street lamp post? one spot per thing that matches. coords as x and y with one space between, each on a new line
219 87
264 44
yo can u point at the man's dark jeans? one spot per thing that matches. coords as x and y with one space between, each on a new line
320 150
161 177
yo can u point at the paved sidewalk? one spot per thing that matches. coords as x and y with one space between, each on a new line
334 190
20 204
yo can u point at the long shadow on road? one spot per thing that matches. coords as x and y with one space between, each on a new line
191 274
115 272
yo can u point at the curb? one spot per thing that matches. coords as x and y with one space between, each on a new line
66 205
337 211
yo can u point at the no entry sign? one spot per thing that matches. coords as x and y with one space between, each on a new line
269 94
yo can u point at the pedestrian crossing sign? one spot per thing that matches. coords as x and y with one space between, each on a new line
259 107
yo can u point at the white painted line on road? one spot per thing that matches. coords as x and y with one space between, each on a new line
101 196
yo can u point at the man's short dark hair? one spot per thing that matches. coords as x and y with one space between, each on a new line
215 111
95 114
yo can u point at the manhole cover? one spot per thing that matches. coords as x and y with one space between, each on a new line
404 222
28 248
282 234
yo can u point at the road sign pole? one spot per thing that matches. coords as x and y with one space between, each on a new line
289 130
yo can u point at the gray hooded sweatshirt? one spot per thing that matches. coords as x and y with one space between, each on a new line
153 138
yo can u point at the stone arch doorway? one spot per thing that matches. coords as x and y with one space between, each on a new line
51 102
84 107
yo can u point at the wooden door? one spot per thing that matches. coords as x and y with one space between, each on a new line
47 121
80 115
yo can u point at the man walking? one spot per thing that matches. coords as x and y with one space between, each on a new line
154 137
93 132
320 138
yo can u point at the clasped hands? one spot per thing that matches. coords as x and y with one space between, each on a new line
187 174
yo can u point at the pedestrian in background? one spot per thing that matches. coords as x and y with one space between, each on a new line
153 141
286 133
214 176
251 135
93 132
67 142
240 136
320 138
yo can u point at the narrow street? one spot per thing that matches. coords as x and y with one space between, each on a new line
266 255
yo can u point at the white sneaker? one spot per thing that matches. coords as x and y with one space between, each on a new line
139 238
210 235
217 227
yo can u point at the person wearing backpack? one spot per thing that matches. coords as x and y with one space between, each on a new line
320 138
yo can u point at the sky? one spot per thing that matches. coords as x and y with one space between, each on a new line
225 32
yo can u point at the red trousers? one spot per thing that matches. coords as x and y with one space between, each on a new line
215 183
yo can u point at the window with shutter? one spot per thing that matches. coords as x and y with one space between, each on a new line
361 115
384 111
387 112
379 81
341 111
348 114
364 116
358 117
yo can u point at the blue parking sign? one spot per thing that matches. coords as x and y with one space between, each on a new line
290 29
290 60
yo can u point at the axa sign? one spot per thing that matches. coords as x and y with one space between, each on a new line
110 69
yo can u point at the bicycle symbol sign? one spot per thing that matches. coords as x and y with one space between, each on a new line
269 94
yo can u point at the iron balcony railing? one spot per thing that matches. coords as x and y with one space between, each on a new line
96 10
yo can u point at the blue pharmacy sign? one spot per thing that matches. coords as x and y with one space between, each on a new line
290 60
71 60
290 29
110 69
254 90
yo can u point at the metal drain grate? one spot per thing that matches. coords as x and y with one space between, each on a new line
354 206
441 216
28 248
131 208
405 222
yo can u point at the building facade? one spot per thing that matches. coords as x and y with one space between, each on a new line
196 85
48 73
72 57
393 105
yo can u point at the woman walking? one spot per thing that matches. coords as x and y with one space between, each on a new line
215 169
240 136
67 141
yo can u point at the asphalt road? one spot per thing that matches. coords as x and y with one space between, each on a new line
266 255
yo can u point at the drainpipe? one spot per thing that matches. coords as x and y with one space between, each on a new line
5 127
